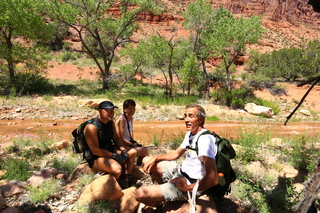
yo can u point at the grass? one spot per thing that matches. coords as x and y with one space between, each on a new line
40 193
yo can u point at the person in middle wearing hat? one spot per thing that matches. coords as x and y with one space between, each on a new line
107 152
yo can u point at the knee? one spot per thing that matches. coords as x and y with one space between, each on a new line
132 153
140 194
116 171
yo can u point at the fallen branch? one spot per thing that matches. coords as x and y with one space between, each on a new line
317 79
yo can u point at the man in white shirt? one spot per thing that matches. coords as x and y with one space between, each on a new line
176 180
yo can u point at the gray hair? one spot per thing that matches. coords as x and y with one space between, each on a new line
201 113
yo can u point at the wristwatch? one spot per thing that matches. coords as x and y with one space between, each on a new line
114 156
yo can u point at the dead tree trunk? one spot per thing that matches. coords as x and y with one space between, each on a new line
310 191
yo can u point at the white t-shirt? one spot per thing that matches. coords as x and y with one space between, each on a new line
207 146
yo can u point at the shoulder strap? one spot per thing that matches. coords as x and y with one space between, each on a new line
96 125
196 148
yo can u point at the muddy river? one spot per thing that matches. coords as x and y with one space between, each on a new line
148 131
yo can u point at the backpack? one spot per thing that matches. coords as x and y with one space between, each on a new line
79 144
225 152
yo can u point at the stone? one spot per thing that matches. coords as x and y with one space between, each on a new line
80 170
42 175
10 210
14 187
254 109
203 205
104 187
305 112
128 202
61 145
2 202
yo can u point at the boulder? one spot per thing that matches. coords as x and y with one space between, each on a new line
42 175
61 145
254 109
14 187
203 205
2 202
305 112
104 187
128 202
80 170
10 210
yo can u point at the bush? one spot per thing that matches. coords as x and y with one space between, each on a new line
236 98
42 192
17 169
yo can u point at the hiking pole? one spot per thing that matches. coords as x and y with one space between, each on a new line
304 97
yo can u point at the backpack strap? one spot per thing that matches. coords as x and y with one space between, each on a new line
196 148
218 138
96 125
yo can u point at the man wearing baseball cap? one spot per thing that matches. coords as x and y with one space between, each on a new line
107 152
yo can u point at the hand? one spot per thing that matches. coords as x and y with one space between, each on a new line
148 165
180 183
124 155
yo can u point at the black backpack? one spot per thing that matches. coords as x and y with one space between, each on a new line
225 152
79 144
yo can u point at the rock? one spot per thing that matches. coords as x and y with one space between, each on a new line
203 205
61 145
103 188
80 170
14 187
10 210
254 109
42 175
305 112
2 202
128 202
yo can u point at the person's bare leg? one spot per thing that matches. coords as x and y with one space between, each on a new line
130 162
108 165
150 195
141 153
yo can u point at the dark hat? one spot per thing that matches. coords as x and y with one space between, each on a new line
106 105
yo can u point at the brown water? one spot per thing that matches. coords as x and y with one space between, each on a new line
148 131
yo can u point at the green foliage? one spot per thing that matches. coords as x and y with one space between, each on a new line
104 33
40 193
303 151
64 165
174 143
16 169
30 83
287 63
235 98
84 180
98 207
271 104
213 118
250 139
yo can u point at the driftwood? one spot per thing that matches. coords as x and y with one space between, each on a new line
311 190
316 79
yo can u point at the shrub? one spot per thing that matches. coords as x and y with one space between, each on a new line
16 169
236 98
40 193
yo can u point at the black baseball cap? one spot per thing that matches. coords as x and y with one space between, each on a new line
106 105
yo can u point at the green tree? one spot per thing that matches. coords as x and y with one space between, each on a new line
199 19
20 28
100 32
229 37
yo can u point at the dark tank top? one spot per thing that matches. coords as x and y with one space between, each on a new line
105 134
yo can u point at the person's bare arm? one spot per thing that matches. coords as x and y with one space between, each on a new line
168 157
91 135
